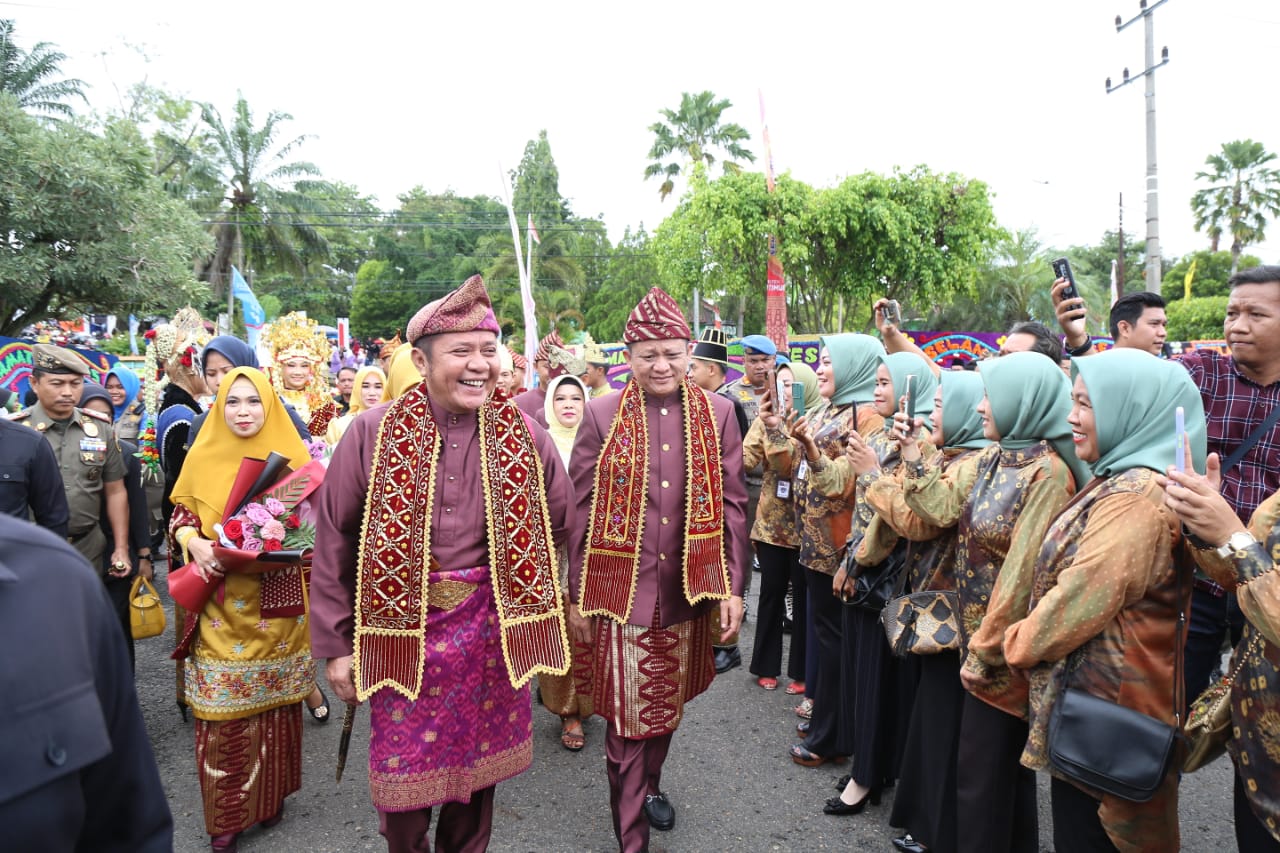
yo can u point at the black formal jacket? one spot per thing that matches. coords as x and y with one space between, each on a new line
78 771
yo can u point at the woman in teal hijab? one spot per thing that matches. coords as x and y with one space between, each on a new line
925 801
807 453
1109 591
122 385
871 674
1000 499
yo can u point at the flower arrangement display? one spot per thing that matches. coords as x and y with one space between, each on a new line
148 453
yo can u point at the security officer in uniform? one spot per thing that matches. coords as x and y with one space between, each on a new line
88 456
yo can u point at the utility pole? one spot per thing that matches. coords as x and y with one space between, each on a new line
1120 254
1153 214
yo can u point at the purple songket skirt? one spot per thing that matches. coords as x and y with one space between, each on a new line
469 728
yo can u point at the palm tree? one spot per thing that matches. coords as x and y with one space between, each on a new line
264 221
689 134
26 75
1244 191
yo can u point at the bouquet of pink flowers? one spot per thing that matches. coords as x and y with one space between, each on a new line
265 532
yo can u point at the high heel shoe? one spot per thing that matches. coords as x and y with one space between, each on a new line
837 806
182 709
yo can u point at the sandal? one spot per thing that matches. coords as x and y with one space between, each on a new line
569 738
795 688
802 756
767 683
805 709
320 713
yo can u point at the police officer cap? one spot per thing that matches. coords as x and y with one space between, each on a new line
758 345
51 359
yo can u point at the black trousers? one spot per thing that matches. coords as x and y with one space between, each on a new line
1076 825
924 803
778 567
828 730
995 794
869 697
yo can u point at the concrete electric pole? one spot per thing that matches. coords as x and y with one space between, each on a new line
1153 214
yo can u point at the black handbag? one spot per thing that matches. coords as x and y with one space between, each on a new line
1109 747
875 586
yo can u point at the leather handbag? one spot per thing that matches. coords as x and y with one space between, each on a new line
923 623
875 586
146 615
1209 721
1109 747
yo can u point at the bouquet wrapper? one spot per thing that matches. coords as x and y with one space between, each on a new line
282 591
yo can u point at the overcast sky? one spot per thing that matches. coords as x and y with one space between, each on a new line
401 94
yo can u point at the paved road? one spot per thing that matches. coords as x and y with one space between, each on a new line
729 776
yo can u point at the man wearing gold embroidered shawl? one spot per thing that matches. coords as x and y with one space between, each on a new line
660 537
434 586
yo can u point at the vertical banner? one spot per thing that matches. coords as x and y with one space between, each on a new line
250 308
775 293
344 334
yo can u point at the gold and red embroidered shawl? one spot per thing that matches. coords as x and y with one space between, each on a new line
619 493
395 548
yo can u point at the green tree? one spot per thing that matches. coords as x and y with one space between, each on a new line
424 249
1093 262
1243 193
87 225
1212 271
1198 319
31 76
267 220
631 270
691 134
1014 285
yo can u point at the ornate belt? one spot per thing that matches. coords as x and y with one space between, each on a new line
448 594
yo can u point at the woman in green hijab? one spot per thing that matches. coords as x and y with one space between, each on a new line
807 453
924 802
875 683
1107 591
1000 500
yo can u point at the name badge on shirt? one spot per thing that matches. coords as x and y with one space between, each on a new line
784 489
92 445
803 471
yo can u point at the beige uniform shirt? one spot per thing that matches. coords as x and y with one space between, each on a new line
88 456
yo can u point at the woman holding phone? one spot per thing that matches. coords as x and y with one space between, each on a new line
1110 589
797 449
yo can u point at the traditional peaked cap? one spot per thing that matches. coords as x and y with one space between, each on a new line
712 346
656 317
466 309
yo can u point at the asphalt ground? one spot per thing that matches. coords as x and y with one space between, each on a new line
729 776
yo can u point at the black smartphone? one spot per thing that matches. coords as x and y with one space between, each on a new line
892 313
1062 269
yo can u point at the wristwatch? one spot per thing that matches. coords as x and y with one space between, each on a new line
1239 541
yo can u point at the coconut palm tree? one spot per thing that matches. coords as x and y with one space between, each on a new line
268 217
27 76
1244 191
690 134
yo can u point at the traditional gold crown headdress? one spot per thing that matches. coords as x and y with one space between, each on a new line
297 336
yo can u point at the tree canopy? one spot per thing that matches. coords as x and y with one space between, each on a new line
88 226
692 134
1243 192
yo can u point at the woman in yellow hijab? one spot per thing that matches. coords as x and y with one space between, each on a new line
250 663
369 390
402 373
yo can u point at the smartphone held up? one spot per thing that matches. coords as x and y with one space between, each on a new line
1062 269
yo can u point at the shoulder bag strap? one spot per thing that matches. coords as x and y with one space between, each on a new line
1254 437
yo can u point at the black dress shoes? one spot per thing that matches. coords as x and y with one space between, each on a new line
907 844
727 659
837 806
661 814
